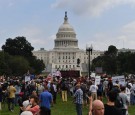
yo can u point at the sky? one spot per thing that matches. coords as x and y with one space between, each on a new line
98 22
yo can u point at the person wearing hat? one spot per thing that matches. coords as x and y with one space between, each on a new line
78 99
26 113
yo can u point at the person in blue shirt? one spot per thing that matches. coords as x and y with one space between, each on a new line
78 99
45 102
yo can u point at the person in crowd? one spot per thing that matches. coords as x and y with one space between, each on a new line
125 101
110 108
18 90
26 113
84 89
39 88
132 97
110 85
23 102
93 89
46 100
90 103
116 88
11 96
52 90
117 83
48 85
97 108
105 83
34 93
100 91
0 96
55 92
78 99
128 93
33 105
64 90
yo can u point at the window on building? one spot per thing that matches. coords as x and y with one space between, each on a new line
55 66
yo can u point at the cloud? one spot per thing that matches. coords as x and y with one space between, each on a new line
90 7
122 38
129 28
7 3
37 37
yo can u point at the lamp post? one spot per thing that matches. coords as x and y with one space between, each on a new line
89 51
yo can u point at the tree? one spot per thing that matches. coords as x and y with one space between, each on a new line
19 65
112 51
36 65
4 66
22 59
107 61
18 46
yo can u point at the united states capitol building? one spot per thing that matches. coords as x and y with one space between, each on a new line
66 51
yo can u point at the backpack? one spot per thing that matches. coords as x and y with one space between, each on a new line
119 102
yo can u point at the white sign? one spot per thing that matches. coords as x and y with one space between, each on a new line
97 80
93 75
27 78
120 79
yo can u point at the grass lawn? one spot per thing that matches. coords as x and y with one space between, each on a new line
61 108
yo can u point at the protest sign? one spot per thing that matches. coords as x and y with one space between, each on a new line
97 80
93 75
120 79
27 78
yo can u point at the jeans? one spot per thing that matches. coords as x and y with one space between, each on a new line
79 109
17 97
45 111
11 101
132 99
124 111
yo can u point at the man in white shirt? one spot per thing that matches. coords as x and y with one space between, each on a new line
93 89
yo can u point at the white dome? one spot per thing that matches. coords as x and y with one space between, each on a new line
66 36
66 27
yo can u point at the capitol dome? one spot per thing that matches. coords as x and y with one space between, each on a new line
66 27
66 36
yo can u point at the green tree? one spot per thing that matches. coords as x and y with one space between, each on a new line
4 66
107 61
112 51
36 65
19 65
18 46
22 57
126 62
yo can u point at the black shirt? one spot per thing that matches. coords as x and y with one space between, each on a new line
112 110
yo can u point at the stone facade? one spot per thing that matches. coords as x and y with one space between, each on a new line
65 53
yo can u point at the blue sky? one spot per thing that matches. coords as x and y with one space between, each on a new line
97 22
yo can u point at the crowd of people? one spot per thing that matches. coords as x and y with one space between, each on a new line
35 97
